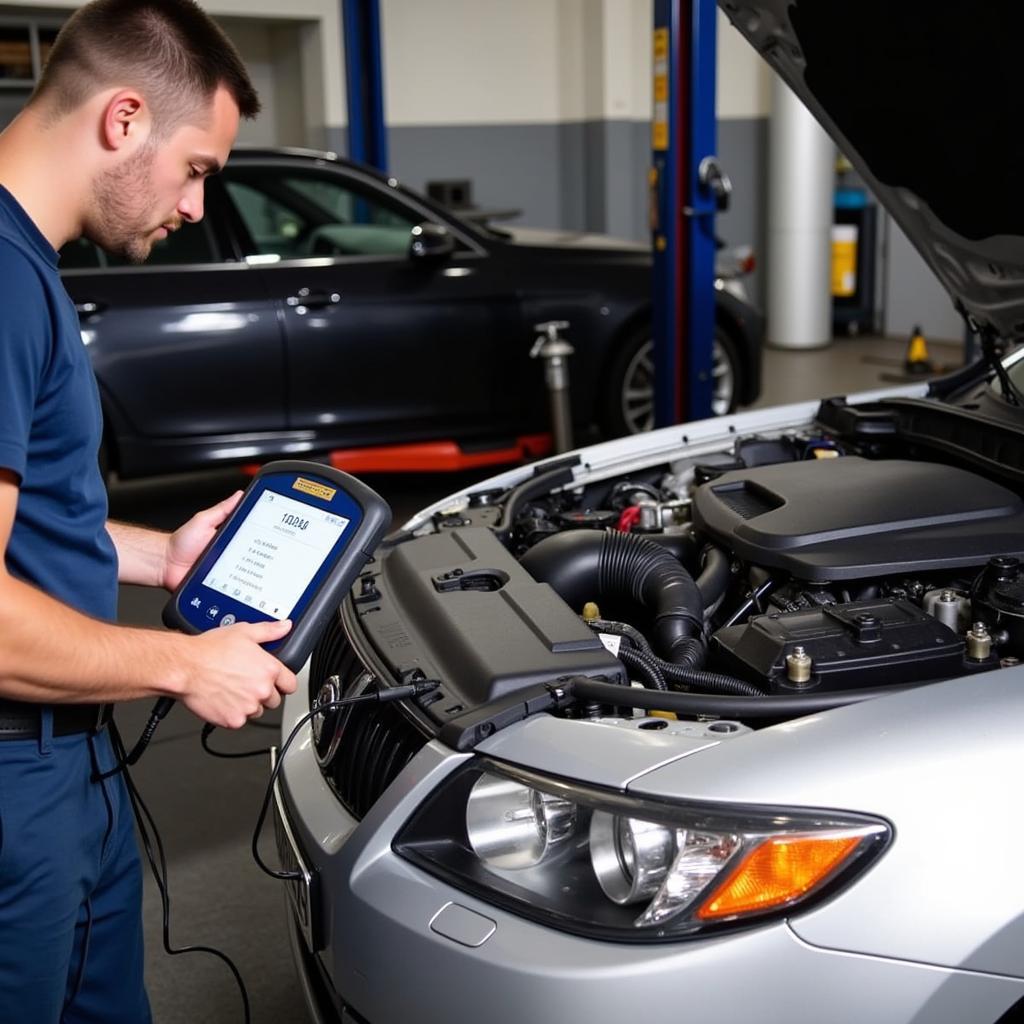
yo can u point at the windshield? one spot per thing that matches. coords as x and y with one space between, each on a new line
1015 368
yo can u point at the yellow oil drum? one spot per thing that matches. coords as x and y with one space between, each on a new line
844 260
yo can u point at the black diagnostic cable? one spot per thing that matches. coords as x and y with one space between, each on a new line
156 856
124 761
149 835
406 692
204 739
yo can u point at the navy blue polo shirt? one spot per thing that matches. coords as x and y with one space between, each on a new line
51 425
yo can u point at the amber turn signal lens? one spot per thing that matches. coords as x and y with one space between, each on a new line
778 871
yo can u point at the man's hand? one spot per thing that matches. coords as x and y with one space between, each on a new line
51 653
229 679
187 543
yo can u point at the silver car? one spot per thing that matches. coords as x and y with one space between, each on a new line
713 723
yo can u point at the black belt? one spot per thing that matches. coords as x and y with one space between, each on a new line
23 721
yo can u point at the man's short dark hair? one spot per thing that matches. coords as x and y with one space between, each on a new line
170 50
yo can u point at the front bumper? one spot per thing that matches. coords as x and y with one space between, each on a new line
387 957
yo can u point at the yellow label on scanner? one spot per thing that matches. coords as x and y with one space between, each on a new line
317 490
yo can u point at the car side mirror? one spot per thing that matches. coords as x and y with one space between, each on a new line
430 242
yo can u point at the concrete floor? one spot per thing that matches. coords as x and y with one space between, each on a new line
845 366
206 808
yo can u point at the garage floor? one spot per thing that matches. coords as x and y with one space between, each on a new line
206 808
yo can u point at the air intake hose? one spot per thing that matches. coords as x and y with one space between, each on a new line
584 565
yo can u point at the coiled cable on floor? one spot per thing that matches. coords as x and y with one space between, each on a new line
153 847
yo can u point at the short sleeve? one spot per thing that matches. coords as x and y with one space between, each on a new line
26 341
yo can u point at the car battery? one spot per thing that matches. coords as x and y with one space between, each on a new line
835 647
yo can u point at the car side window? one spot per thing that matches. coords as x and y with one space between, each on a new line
295 215
190 244
272 225
80 254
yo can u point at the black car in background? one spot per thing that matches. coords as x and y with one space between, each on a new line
321 306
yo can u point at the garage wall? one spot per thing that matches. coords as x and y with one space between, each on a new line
271 54
543 106
294 52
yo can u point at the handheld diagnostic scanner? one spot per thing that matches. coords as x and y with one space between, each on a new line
292 547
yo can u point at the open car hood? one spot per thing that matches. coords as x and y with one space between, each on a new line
923 100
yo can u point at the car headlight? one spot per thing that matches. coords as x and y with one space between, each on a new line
614 866
510 825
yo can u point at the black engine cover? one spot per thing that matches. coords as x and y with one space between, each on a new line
459 608
851 518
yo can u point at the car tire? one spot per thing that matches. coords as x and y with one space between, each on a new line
727 371
628 406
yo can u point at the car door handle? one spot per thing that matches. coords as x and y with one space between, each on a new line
308 299
85 309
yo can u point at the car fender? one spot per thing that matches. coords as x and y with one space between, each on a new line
938 763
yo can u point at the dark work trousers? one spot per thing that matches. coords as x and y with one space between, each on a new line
70 886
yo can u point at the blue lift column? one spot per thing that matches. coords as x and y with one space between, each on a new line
364 81
684 177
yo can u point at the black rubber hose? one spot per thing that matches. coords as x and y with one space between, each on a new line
643 665
715 574
543 481
682 545
775 706
583 565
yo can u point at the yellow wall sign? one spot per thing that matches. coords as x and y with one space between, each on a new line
659 119
317 490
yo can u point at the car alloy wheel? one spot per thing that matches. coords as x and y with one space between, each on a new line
637 392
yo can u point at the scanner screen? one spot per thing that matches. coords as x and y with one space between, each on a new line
274 555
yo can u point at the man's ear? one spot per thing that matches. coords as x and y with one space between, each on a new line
126 120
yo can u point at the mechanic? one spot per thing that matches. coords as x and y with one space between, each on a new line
139 102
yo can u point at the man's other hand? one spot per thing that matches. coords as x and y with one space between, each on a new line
189 541
229 677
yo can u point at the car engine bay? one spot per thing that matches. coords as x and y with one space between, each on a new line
779 575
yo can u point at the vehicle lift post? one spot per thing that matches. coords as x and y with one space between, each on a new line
364 83
686 187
